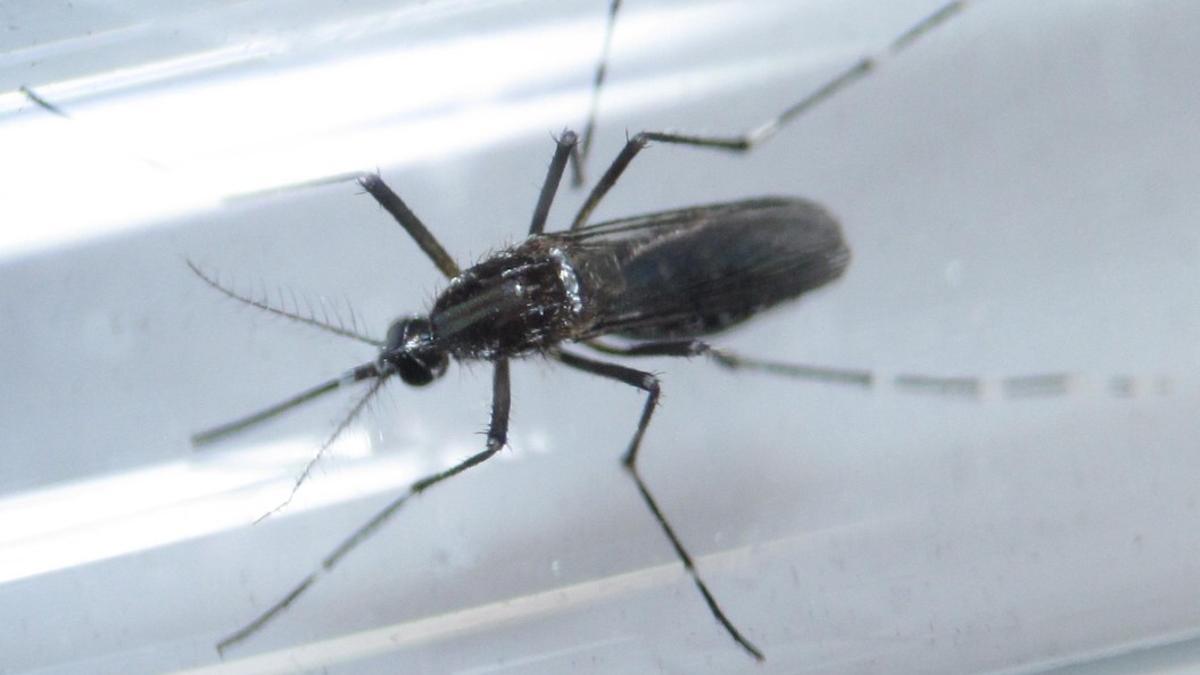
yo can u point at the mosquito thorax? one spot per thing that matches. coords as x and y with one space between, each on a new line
410 352
521 300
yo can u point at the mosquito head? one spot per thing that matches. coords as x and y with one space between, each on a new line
411 353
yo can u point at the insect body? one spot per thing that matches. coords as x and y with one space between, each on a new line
672 275
661 281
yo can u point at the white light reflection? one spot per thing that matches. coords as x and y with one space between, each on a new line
554 602
86 521
132 155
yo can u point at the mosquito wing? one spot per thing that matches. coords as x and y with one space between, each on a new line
696 271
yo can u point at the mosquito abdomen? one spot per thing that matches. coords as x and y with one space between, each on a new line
701 270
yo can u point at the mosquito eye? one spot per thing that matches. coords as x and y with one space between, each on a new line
417 371
414 373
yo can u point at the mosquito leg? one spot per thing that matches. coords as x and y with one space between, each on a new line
636 378
40 102
585 146
649 384
1041 384
733 361
963 386
957 386
748 140
392 203
496 438
566 147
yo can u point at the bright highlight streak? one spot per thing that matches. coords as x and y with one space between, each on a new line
87 521
134 152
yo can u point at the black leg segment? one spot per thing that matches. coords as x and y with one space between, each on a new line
956 386
727 359
496 438
392 203
649 384
567 144
589 128
747 140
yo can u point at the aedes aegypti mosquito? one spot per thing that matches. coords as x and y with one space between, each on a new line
663 282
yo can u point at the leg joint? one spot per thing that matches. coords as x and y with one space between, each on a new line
649 383
568 138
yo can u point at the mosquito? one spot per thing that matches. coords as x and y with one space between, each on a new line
662 283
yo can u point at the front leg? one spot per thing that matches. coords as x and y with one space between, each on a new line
496 437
